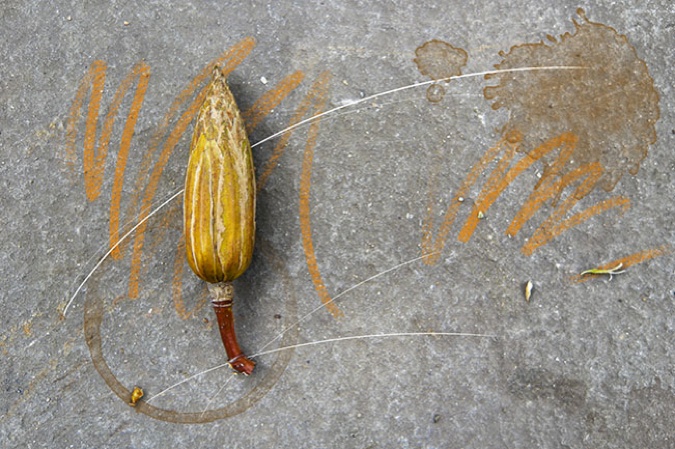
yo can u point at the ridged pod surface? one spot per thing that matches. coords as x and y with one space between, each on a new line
219 201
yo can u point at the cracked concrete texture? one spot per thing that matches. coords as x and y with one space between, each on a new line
584 363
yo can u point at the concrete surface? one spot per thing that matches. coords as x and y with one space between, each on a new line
582 364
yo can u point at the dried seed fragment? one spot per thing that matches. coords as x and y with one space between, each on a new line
611 271
528 290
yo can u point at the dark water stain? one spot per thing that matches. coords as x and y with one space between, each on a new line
439 60
611 104
540 384
649 415
642 419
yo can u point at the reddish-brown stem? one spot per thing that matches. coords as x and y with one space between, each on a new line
222 295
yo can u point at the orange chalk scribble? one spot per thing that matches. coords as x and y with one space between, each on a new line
433 247
180 114
602 119
270 100
318 97
94 157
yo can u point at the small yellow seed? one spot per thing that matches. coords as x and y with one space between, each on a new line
136 395
528 290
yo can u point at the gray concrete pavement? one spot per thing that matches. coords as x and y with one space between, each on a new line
373 209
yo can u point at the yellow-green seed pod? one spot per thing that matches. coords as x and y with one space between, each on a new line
219 201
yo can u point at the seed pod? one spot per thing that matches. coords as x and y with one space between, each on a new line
219 205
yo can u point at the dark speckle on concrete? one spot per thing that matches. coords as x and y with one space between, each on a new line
537 384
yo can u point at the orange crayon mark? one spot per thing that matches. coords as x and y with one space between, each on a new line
93 168
270 100
141 70
433 248
500 179
318 95
550 187
625 262
555 225
94 158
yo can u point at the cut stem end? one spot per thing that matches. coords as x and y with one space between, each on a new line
222 295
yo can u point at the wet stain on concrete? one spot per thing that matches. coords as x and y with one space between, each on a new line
439 60
641 419
647 414
611 104
435 93
540 384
